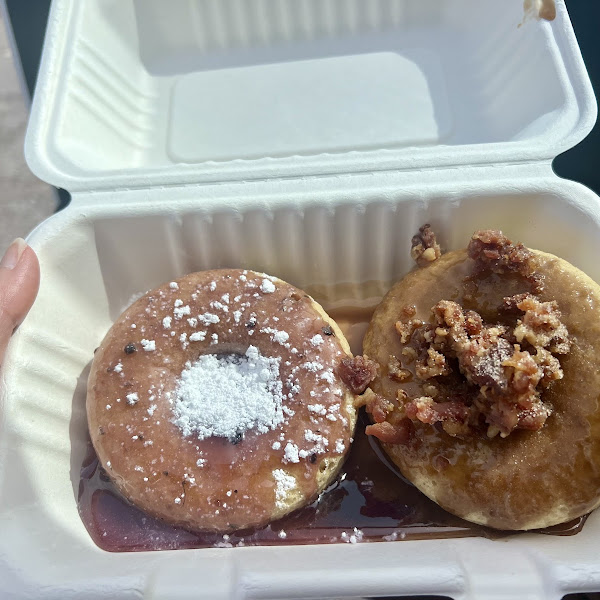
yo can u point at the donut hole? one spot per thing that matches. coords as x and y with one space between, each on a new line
225 349
225 356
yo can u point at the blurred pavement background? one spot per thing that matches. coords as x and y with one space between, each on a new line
25 201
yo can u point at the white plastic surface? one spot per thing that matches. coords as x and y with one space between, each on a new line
96 255
373 92
148 92
139 102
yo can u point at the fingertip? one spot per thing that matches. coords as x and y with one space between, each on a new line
13 254
30 265
19 286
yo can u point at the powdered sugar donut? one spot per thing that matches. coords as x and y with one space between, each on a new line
214 401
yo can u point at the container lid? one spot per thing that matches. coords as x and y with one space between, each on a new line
147 94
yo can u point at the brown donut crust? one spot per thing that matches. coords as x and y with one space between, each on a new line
148 457
531 479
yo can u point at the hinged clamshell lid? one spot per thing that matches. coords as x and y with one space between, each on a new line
153 93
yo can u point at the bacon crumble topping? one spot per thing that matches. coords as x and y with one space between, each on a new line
477 375
357 373
424 247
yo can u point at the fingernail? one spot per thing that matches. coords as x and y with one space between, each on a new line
12 256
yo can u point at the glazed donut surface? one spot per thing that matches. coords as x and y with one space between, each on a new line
177 436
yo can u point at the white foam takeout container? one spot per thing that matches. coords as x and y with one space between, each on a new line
308 139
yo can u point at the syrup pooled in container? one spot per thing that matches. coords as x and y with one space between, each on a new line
369 500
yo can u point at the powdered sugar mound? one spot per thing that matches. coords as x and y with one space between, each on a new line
267 287
198 336
281 337
167 322
149 345
313 366
285 483
316 340
180 311
226 395
328 376
291 453
208 318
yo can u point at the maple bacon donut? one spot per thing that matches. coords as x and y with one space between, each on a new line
214 401
487 392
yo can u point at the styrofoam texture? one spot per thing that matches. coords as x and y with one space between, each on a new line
147 92
96 254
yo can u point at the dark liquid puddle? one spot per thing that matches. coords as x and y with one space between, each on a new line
369 501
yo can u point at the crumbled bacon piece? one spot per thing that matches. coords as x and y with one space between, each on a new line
357 373
510 304
398 433
541 326
535 417
426 410
550 367
424 247
481 357
475 374
453 415
506 378
410 354
522 376
473 322
395 370
493 251
405 329
410 310
432 365
377 406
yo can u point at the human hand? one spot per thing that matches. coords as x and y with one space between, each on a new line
19 284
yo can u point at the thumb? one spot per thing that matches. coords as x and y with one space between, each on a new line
19 283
